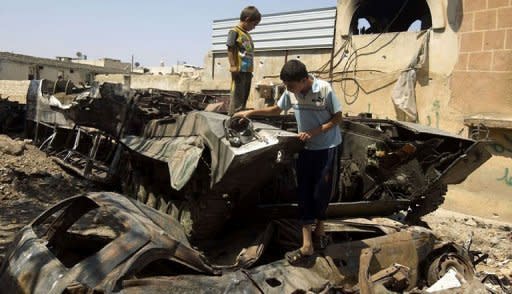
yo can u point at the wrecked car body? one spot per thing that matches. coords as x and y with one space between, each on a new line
108 243
52 256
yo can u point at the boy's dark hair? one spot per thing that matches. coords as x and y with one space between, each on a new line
250 13
293 71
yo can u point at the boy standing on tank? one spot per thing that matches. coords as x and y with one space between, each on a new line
241 58
318 115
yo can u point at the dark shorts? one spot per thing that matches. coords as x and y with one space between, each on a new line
316 179
240 89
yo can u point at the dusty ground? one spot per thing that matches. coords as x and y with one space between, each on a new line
30 182
489 206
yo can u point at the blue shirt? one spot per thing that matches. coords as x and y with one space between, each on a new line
313 110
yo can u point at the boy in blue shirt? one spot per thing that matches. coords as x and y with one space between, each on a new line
318 114
241 58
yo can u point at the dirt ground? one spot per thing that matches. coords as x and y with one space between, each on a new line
30 182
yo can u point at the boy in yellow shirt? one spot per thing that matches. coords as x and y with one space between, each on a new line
241 58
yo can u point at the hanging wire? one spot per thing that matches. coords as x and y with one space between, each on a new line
352 58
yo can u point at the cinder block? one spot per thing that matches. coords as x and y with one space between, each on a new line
505 18
462 62
472 5
497 3
494 40
480 61
471 42
485 20
508 44
467 22
502 60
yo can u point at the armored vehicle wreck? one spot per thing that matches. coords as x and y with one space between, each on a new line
204 168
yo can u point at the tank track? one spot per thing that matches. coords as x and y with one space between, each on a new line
202 216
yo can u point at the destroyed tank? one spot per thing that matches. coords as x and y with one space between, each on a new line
206 169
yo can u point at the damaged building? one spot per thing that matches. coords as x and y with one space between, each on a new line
24 67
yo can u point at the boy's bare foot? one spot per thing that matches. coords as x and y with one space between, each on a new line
307 250
296 256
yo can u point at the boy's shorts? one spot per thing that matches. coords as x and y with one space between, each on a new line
240 89
316 179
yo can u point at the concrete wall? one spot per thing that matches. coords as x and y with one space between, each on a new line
52 73
482 82
11 70
217 76
105 62
162 82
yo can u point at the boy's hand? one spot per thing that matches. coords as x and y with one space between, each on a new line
244 113
304 136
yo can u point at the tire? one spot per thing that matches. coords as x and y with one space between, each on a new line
441 264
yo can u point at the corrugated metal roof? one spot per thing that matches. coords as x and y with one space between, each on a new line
312 29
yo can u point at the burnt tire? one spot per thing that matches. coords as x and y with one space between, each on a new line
441 265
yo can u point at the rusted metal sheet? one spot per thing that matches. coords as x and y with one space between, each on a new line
49 256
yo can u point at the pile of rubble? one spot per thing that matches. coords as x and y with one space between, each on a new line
491 237
30 182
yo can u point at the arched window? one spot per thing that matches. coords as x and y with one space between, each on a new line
377 16
415 26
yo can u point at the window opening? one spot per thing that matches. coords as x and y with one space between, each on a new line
375 17
78 230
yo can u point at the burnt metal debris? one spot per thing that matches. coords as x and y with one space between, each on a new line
202 178
106 243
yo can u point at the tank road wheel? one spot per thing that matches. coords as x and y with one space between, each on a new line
203 218
426 204
210 216
202 212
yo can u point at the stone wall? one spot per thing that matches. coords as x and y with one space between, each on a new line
162 82
482 79
15 90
